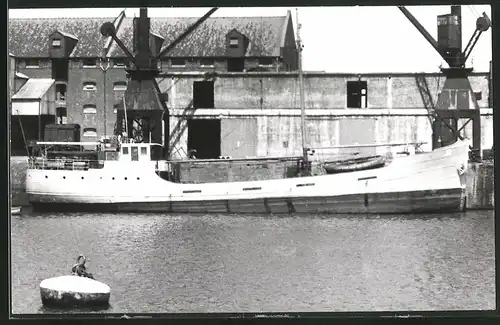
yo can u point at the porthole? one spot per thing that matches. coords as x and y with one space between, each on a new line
64 177
100 177
46 176
138 178
82 177
112 178
125 178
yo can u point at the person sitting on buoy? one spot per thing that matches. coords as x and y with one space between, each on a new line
80 269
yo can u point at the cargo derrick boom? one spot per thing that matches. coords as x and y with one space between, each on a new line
457 99
143 114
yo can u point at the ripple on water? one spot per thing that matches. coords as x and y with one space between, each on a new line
212 263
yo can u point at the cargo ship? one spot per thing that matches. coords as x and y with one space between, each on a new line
134 179
135 174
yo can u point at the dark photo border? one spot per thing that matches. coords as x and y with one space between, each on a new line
438 317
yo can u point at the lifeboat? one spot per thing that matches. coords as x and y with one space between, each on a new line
351 165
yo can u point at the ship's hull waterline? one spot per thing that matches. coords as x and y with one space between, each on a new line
424 183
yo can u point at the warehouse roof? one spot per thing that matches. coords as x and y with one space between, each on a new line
266 35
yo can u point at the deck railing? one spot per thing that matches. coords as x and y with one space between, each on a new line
64 164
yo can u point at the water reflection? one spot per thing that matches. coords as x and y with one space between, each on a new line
209 263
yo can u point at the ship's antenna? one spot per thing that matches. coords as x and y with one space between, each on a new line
125 111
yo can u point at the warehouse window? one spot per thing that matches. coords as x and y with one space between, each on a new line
203 94
61 115
89 132
357 94
61 92
233 42
32 63
479 95
265 62
89 86
207 63
235 64
89 63
89 109
56 42
119 63
120 86
178 62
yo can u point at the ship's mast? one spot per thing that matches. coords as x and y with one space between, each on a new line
301 94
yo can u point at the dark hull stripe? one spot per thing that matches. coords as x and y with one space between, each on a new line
381 203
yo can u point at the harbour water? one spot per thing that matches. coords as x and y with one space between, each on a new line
219 263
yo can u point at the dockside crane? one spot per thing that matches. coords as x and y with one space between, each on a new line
144 115
457 99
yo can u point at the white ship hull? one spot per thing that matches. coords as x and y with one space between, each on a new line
428 182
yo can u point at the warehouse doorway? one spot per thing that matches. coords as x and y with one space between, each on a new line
204 136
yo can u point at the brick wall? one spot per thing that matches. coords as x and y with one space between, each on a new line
219 65
77 97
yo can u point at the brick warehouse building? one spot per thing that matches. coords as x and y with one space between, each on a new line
68 51
263 107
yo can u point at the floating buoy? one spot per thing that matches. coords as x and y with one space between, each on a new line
73 290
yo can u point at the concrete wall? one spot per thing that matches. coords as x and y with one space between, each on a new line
236 91
322 91
247 133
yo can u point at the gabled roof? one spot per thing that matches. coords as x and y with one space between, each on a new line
37 31
235 31
34 88
265 34
66 35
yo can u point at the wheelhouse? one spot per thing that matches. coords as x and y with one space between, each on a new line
140 152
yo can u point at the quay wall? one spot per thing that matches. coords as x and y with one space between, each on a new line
480 180
480 186
18 167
